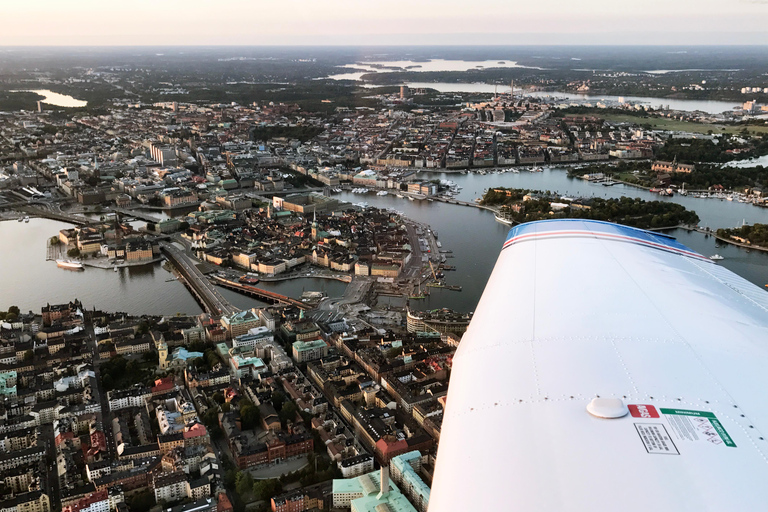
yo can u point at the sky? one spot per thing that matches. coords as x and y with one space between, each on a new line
375 22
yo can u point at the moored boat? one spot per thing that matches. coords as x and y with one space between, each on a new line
70 265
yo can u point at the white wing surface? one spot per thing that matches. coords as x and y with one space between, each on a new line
672 346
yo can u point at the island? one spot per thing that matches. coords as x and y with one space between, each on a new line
522 205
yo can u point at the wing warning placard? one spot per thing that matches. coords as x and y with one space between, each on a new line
677 426
697 426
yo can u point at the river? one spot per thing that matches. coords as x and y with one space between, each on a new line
472 234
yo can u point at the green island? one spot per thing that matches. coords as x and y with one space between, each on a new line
755 235
523 205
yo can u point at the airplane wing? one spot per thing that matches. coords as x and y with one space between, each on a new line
607 368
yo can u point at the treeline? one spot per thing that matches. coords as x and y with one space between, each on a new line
628 211
756 234
703 150
300 132
730 178
637 212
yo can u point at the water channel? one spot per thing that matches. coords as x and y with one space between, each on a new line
473 235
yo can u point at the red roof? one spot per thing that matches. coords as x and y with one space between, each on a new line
224 504
196 430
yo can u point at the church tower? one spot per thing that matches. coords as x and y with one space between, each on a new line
162 349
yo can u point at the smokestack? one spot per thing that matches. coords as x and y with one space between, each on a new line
384 485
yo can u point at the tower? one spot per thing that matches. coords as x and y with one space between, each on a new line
383 483
162 350
314 225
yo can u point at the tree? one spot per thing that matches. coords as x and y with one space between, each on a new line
73 252
28 355
278 398
218 397
267 489
230 478
211 418
288 412
243 483
249 416
15 310
141 502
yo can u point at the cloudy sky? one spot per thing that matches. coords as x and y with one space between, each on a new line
360 22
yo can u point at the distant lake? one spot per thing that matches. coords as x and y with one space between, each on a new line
54 98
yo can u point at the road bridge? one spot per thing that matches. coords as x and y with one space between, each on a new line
215 304
48 214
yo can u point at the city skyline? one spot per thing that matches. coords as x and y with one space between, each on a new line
342 22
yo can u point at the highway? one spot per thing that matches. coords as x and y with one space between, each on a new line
214 302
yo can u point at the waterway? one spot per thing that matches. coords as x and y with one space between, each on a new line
711 107
473 236
29 281
57 99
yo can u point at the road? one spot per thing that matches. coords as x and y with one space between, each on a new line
214 302
354 293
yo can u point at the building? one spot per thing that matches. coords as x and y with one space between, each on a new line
672 167
439 320
240 323
309 350
96 502
255 336
170 487
404 469
34 501
356 466
372 492
288 502
124 398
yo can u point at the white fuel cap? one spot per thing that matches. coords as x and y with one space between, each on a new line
607 408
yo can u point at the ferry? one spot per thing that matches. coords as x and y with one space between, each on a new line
70 265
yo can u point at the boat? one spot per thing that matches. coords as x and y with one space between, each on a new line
21 219
115 268
716 257
70 265
26 219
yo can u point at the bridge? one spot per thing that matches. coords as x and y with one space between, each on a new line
49 214
137 214
206 293
260 293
